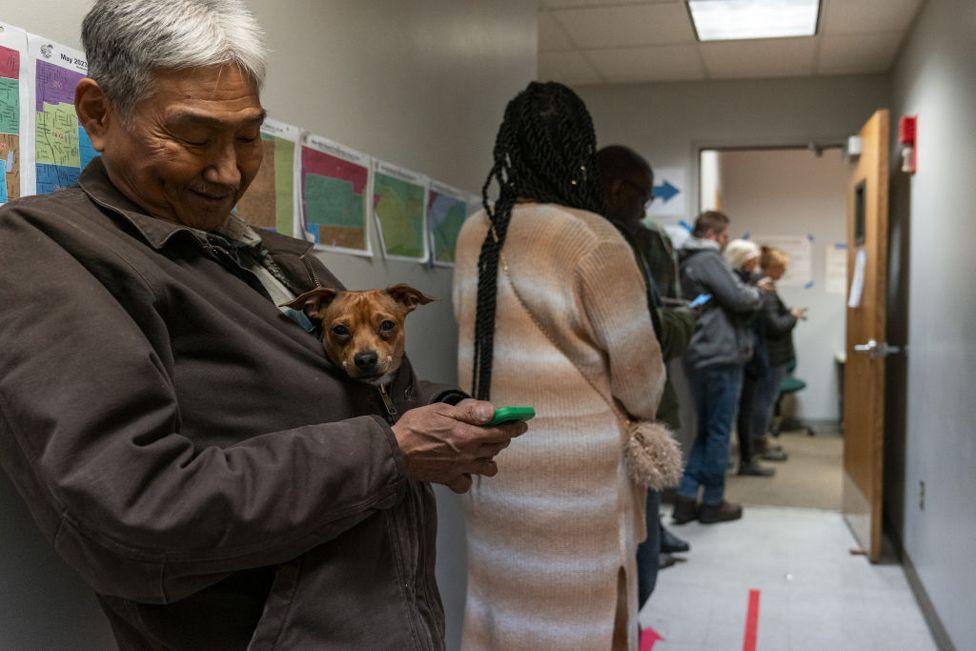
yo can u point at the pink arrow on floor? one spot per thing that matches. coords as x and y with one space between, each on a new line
648 638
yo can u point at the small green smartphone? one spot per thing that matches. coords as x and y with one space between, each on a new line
510 415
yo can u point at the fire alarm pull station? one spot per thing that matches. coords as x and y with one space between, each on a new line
906 139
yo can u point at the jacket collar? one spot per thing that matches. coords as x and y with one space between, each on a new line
94 181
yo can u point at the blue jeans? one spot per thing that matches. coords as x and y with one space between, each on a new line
764 400
649 550
716 392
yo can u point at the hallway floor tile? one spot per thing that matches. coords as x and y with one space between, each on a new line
814 595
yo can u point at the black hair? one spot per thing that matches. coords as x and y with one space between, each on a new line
617 162
544 152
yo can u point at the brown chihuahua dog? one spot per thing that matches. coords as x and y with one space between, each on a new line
362 332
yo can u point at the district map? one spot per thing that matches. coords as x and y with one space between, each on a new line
62 146
399 209
269 201
334 200
445 217
9 124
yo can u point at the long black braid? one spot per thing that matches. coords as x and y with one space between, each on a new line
545 152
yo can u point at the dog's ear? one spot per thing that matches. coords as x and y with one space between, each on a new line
313 302
407 296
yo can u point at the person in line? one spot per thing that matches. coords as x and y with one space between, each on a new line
182 442
778 324
627 182
743 257
719 349
552 312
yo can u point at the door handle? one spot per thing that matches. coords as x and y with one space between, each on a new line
876 350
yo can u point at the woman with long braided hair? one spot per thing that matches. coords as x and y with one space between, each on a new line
552 312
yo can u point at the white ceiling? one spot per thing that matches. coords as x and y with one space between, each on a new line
619 41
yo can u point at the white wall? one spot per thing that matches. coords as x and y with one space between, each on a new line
932 254
422 84
792 192
669 122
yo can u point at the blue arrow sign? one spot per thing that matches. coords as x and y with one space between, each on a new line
665 192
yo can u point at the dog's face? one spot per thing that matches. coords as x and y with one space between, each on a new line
362 332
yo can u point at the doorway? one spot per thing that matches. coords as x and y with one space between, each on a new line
794 199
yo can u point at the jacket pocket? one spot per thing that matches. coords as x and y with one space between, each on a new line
274 619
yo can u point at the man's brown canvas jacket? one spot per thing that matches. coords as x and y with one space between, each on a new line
188 448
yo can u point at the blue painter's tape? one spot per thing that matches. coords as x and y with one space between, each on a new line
811 238
685 225
809 285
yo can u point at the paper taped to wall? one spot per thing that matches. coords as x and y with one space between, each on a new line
835 269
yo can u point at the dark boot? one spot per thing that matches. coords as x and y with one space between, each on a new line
753 469
685 509
671 544
724 512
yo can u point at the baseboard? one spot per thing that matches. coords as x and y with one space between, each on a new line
939 631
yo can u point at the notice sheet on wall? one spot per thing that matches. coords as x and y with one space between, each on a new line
835 274
446 211
399 206
799 272
61 145
334 196
14 111
271 201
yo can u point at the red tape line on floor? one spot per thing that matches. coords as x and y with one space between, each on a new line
752 622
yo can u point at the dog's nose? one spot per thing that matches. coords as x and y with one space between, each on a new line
365 361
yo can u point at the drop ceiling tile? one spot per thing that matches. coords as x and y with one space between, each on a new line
775 57
627 25
570 68
858 54
660 63
867 16
551 35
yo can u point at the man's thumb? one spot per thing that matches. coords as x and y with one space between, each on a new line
474 412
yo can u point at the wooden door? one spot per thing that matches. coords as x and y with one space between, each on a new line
864 372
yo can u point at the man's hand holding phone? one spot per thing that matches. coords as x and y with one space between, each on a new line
447 444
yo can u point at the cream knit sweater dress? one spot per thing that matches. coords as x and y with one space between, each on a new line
552 538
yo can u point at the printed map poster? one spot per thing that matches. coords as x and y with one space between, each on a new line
61 146
399 206
334 190
447 209
14 110
271 201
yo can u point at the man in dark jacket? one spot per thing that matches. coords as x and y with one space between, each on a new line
719 349
627 182
184 443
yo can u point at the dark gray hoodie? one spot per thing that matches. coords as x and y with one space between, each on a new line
722 335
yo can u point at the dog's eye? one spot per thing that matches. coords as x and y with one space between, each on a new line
340 331
387 326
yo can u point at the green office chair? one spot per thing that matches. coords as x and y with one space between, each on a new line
789 385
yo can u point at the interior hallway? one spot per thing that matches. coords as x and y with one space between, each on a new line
813 593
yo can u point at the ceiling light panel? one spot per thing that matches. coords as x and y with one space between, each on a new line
728 20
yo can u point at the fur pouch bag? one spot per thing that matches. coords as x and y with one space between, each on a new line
652 455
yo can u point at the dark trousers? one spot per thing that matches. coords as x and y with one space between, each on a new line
744 430
716 393
649 550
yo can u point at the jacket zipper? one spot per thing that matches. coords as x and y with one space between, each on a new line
391 409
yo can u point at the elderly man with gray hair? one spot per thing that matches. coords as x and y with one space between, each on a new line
181 440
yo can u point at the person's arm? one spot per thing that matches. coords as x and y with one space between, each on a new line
776 322
614 297
90 434
678 325
726 289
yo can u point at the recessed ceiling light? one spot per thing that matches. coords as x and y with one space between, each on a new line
727 20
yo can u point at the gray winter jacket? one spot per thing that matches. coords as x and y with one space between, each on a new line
723 335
